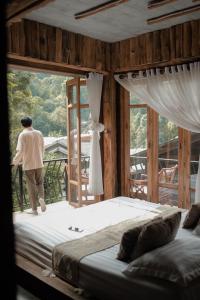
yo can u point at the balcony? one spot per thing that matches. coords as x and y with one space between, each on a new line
55 182
168 187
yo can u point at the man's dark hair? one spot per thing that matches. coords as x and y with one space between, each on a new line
26 122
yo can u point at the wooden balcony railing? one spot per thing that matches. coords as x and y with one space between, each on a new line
138 165
55 184
168 184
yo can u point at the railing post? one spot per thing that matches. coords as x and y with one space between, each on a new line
66 179
21 189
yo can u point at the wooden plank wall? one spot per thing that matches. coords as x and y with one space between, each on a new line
162 47
44 42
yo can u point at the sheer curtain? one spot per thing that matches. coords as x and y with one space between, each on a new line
94 85
174 93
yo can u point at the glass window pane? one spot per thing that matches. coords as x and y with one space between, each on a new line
194 160
168 162
72 94
135 100
138 152
83 94
85 141
73 155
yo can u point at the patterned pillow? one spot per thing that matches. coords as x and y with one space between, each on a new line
129 241
156 234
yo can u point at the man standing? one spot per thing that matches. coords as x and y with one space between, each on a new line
30 151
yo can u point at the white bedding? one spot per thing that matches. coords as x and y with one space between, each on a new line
36 236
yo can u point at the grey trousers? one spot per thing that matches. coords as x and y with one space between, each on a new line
35 186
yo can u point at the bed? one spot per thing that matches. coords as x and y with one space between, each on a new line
100 273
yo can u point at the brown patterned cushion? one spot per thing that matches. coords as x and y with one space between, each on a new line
129 241
192 216
156 234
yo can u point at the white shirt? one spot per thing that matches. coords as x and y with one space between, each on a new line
30 149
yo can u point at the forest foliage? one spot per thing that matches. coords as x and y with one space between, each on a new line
138 128
40 96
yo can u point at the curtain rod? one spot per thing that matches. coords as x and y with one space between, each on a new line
135 73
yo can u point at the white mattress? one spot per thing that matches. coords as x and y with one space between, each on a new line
36 236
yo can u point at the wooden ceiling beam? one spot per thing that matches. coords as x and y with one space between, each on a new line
96 9
157 3
18 8
43 65
174 14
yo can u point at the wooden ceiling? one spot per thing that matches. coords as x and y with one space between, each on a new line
109 21
18 8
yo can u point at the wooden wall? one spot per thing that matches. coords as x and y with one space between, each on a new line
162 47
48 43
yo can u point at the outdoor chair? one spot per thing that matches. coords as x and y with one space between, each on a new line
139 186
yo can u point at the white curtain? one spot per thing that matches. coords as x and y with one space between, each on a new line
94 86
174 93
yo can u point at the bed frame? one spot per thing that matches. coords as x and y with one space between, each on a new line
29 276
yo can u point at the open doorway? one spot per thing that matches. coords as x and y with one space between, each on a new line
43 97
59 107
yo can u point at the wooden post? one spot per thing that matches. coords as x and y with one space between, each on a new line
124 141
184 152
152 155
66 179
109 137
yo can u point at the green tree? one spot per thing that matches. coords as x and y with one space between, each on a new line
138 127
41 96
167 130
21 102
